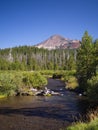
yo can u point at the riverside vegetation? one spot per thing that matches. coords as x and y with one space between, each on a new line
13 83
16 82
92 123
87 75
79 72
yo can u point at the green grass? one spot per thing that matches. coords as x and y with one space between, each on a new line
92 125
71 82
2 96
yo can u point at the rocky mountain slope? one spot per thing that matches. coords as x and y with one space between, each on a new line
59 42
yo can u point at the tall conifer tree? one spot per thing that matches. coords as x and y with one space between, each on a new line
85 61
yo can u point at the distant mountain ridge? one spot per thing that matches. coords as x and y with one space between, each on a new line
59 42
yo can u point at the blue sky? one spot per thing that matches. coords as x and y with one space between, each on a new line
28 22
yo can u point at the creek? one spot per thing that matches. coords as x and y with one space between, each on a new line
42 112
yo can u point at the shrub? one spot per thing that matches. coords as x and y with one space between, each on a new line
47 72
71 82
57 76
6 83
27 79
34 79
92 89
37 80
10 83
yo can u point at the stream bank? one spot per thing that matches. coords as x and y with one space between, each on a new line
41 112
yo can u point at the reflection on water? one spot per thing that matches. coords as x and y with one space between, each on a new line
40 113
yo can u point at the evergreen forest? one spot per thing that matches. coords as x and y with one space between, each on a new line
32 58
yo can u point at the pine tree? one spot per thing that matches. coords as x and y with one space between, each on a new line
85 61
96 53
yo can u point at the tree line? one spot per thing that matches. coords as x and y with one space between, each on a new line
33 58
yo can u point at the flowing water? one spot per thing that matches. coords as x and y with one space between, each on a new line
41 112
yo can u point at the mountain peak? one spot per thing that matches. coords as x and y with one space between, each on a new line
57 36
57 41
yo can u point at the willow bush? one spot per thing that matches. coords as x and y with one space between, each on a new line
34 79
13 82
